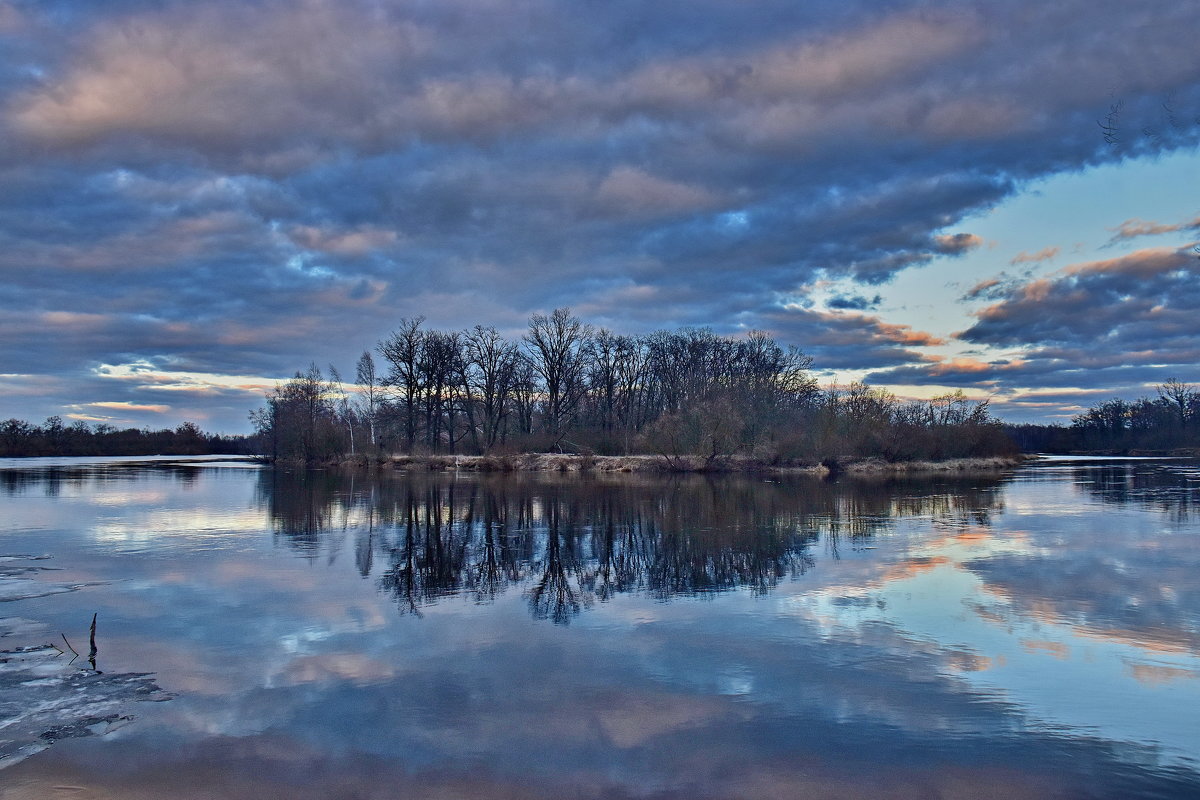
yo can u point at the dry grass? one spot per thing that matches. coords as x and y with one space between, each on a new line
875 466
556 462
530 462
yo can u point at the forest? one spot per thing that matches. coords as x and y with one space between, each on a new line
54 437
567 387
1168 421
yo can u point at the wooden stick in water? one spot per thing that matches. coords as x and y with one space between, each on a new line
92 642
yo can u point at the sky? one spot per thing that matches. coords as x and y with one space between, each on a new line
199 198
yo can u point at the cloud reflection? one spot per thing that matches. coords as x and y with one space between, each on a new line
892 662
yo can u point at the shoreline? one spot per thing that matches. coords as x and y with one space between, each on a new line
657 464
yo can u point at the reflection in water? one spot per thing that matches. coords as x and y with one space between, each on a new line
86 478
1170 486
573 542
1031 636
1126 573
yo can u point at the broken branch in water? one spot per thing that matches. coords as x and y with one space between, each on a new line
92 642
72 649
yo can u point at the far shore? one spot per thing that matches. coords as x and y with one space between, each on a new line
559 462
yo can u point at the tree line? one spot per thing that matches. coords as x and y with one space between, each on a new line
1168 420
565 386
54 437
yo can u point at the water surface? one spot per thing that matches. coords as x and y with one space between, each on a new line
1034 634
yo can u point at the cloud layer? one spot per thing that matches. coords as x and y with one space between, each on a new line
237 189
1122 323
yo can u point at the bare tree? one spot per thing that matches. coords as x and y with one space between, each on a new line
370 391
344 407
299 418
441 368
490 371
403 350
616 383
1182 398
556 348
524 393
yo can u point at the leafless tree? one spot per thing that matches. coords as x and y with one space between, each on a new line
342 399
556 346
490 371
1182 398
370 391
403 351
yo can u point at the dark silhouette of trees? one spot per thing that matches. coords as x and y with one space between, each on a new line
1168 421
489 377
301 420
1184 402
19 438
618 380
403 351
557 348
563 386
441 369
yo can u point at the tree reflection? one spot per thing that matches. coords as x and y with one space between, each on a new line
50 481
302 505
567 542
1172 487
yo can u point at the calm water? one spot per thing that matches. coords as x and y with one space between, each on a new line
1029 635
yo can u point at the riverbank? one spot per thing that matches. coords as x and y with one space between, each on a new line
561 462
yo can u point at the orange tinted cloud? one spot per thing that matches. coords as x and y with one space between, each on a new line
904 334
1057 649
127 406
1135 227
1160 674
1045 254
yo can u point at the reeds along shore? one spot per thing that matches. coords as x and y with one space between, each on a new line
558 462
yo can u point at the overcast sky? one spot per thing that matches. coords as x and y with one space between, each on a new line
199 198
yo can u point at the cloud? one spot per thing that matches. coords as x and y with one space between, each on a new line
956 244
355 242
1144 300
11 19
1045 254
1133 228
989 288
629 190
153 377
221 74
242 188
125 405
855 302
116 412
1126 323
846 340
963 371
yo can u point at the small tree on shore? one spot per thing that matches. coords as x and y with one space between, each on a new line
370 392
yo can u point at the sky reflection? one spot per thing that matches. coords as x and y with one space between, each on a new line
713 638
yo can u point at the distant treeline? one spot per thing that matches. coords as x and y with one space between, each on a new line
1170 420
567 387
54 438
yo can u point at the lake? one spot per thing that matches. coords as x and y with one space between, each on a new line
1028 634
